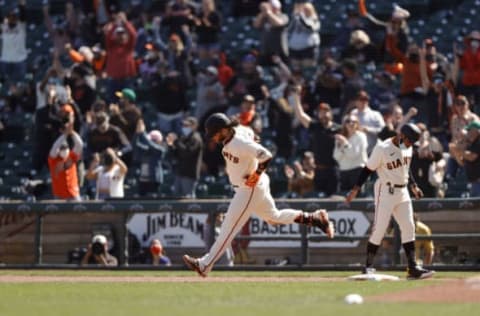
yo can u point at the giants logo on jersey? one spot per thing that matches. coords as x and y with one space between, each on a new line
230 157
398 163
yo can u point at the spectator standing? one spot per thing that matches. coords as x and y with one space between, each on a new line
13 33
178 56
125 114
428 152
471 158
371 121
150 152
187 150
417 72
301 176
394 120
246 81
303 35
63 30
352 83
207 25
104 135
120 39
273 31
322 132
169 93
178 17
109 171
62 162
210 94
469 61
360 48
460 120
350 152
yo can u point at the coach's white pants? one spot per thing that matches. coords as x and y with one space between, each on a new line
397 204
246 201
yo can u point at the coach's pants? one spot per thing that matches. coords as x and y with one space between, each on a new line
397 204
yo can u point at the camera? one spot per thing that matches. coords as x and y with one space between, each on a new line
98 248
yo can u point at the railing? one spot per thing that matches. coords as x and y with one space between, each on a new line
129 207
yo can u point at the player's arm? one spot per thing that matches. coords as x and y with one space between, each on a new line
373 163
412 184
362 177
264 157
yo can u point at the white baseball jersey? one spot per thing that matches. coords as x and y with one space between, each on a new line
392 165
242 155
391 162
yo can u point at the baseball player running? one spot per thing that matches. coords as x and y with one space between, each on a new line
391 160
246 161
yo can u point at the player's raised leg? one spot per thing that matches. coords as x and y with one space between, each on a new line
266 209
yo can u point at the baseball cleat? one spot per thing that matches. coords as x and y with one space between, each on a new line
320 219
418 273
370 270
193 264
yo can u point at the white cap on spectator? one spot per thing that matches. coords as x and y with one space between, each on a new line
400 13
276 4
155 136
100 239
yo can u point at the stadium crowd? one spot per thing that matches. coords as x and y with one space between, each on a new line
116 94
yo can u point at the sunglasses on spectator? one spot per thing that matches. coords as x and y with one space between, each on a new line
351 121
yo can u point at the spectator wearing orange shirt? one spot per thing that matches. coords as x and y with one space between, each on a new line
416 75
469 62
62 162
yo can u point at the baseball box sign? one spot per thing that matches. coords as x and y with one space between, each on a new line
181 230
348 223
173 229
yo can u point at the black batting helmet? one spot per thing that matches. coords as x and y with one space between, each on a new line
215 123
411 132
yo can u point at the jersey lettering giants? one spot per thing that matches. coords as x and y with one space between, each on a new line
391 162
398 163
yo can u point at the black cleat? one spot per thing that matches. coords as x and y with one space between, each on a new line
418 273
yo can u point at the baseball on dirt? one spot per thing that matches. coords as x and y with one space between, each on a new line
353 299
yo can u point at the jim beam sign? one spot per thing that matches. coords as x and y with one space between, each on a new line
187 229
174 230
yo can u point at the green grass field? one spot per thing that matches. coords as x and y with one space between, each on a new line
213 298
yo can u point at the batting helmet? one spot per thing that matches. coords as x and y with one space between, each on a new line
215 123
411 132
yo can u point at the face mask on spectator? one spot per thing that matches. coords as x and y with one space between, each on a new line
475 44
63 153
186 130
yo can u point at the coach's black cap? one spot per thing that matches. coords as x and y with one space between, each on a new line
411 131
216 122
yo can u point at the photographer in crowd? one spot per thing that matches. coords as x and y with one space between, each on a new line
97 253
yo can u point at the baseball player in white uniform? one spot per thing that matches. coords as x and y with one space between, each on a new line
246 161
391 160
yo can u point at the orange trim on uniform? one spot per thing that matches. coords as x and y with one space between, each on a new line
233 229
